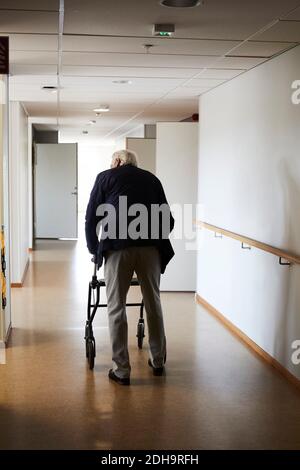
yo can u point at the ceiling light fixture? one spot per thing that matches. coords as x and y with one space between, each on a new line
85 132
181 3
123 82
102 109
92 121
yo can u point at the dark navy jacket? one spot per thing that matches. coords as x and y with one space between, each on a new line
140 187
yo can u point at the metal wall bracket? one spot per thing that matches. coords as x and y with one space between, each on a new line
244 247
282 263
218 235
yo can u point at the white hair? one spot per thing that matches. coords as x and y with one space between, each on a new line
128 157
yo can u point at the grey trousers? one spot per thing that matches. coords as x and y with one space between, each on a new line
119 268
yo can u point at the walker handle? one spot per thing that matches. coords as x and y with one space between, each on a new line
94 260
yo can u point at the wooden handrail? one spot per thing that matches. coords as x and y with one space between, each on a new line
291 257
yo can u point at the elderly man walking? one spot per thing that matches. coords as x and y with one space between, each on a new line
130 244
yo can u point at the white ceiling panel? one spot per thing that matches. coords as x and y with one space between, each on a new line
282 31
105 121
27 94
173 104
165 116
72 135
216 19
176 114
33 42
46 127
294 15
186 92
97 97
128 72
136 45
16 69
238 62
33 58
41 109
262 49
86 108
12 21
30 5
105 84
224 74
134 60
32 80
203 83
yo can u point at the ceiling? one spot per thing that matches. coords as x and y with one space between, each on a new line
84 47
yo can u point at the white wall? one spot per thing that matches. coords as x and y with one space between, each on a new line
5 314
19 210
138 131
145 150
249 183
176 167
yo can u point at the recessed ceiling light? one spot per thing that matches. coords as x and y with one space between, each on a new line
123 82
181 3
85 132
102 109
92 121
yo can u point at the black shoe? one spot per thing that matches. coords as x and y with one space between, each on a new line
115 378
156 370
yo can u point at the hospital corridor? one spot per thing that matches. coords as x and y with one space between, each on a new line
216 394
149 232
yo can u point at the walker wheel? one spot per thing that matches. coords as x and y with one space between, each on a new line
91 352
140 334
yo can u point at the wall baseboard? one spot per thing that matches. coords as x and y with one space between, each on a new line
20 284
248 341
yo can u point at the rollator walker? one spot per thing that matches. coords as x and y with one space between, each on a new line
94 295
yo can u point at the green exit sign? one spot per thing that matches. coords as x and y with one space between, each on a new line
163 30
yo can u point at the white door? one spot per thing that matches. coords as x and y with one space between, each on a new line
56 191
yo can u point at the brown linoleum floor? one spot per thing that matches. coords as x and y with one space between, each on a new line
216 393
